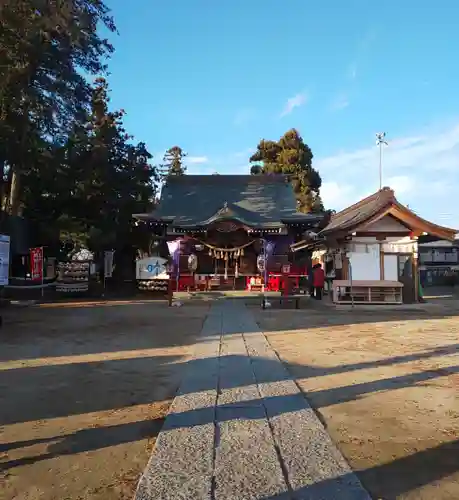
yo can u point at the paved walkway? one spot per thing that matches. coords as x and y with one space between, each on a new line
239 427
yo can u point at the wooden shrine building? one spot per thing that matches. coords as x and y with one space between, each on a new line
230 226
372 246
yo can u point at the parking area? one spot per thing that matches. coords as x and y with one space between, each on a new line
84 389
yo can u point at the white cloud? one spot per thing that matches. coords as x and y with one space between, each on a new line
422 170
294 102
197 160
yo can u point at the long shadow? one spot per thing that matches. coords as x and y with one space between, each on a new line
44 392
308 371
84 440
444 461
386 481
279 405
285 320
55 333
389 481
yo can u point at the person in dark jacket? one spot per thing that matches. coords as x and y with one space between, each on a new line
311 280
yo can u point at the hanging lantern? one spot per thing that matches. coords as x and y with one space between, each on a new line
236 270
242 252
210 253
261 263
226 256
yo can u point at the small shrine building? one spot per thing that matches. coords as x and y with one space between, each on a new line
231 231
372 247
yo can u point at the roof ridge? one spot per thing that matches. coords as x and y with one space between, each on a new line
371 197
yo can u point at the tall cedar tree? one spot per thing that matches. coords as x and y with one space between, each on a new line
292 157
173 162
94 182
45 48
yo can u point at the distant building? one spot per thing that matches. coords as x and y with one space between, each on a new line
438 260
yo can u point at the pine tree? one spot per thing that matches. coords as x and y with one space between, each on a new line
173 162
291 156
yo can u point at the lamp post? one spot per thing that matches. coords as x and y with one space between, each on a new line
380 141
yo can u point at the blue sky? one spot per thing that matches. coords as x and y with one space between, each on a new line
216 77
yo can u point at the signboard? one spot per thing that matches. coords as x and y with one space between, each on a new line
286 269
73 277
151 268
108 263
338 261
155 285
36 263
4 259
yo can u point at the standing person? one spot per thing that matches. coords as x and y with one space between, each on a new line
318 281
311 280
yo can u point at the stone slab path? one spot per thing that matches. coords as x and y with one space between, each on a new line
239 427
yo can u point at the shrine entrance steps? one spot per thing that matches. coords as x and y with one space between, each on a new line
239 427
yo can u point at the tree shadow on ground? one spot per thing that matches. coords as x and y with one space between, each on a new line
395 478
442 461
85 440
31 333
43 392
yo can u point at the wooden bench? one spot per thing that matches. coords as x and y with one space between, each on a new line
283 298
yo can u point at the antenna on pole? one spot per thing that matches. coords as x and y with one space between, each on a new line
380 141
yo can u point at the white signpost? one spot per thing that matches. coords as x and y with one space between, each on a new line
4 259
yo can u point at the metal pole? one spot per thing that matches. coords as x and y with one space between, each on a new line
380 141
42 272
352 289
105 272
265 249
178 268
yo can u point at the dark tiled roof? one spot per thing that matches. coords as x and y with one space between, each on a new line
360 212
256 200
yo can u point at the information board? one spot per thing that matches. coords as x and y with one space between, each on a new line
4 259
151 268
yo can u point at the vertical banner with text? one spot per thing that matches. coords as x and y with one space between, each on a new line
36 263
108 263
4 259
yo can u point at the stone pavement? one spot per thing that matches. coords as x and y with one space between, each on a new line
239 427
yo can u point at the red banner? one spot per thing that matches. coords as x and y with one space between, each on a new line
36 263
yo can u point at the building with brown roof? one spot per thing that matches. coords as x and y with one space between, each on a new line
371 247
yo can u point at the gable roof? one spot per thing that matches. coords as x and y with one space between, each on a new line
376 206
261 201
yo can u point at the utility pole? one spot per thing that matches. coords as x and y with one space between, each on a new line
380 141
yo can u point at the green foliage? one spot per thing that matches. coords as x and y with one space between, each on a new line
66 161
45 47
291 156
173 162
93 182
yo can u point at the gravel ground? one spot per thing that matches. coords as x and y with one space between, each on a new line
386 385
83 393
